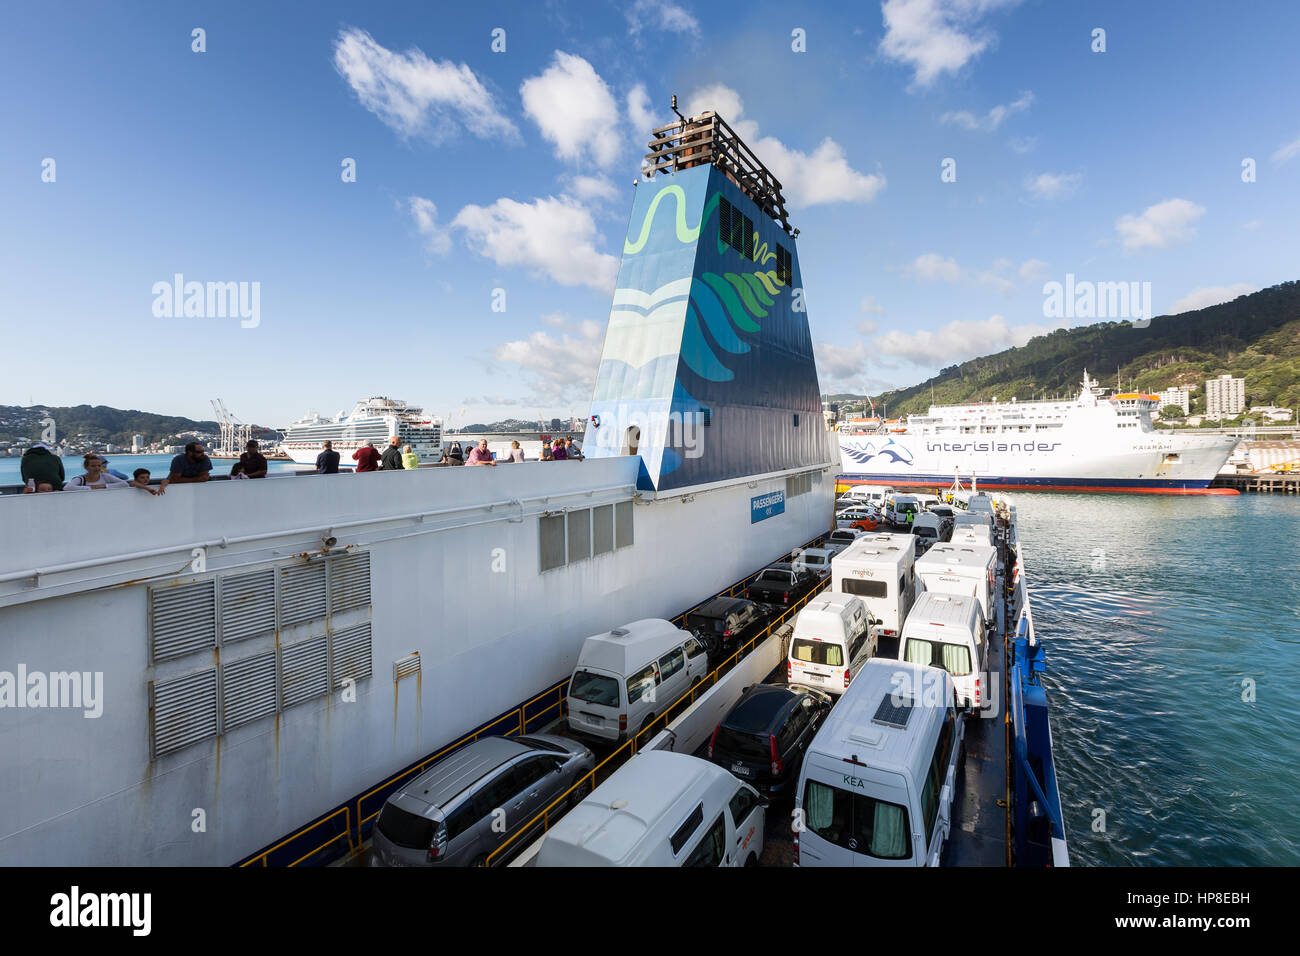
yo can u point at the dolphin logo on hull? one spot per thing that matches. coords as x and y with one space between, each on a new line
864 453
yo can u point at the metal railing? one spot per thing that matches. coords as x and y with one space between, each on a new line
264 856
629 749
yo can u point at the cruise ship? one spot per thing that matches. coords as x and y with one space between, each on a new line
375 419
1093 442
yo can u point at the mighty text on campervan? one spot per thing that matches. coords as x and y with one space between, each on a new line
876 787
879 569
965 569
626 677
833 638
661 809
947 631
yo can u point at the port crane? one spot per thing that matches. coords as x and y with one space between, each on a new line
234 434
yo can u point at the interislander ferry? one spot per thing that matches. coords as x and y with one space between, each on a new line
270 660
1094 442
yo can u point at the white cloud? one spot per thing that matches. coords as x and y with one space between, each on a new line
555 320
996 282
1023 144
993 118
936 36
1053 185
807 179
1031 270
1210 295
415 95
869 304
552 237
1252 224
588 188
841 363
575 110
1287 151
425 214
558 369
663 15
868 327
640 114
933 267
959 340
1166 222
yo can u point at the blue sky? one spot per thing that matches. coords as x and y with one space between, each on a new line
481 170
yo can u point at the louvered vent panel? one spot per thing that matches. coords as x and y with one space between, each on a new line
352 653
724 222
184 619
406 666
350 582
247 605
302 593
247 690
747 241
184 711
304 671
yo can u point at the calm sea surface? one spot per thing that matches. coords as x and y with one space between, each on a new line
1159 614
157 465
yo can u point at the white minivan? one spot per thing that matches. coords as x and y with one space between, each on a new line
947 631
880 569
868 494
626 677
833 638
876 787
661 809
963 568
972 528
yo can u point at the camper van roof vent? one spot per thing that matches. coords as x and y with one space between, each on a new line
891 714
619 632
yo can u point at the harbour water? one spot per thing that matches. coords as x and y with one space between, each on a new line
10 473
1160 615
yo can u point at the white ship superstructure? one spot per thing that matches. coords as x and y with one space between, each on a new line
1093 442
375 419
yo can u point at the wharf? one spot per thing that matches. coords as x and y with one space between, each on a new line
1287 484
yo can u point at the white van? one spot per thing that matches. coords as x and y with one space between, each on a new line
627 676
972 527
868 494
980 503
965 569
947 631
876 786
661 809
929 528
879 568
833 638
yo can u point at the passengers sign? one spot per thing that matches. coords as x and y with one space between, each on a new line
764 506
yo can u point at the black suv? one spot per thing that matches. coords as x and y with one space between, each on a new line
782 584
725 623
762 741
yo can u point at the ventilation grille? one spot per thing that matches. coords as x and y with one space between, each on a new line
349 582
184 710
406 666
352 654
183 619
302 593
247 690
247 605
305 669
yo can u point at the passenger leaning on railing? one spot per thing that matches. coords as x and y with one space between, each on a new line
191 467
95 476
40 465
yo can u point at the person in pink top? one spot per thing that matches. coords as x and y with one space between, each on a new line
557 451
480 455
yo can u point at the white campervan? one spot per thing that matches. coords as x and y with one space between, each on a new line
947 631
833 638
867 494
879 568
876 786
965 569
627 676
661 809
972 527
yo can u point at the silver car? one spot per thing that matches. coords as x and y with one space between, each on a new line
469 802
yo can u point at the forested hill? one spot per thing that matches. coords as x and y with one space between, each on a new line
1255 336
96 423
